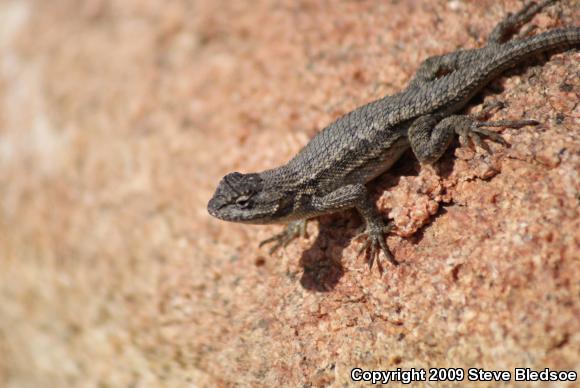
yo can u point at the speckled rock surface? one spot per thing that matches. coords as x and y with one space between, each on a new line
119 117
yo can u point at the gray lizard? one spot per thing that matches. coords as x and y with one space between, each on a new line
331 172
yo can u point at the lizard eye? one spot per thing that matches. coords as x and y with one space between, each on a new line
243 202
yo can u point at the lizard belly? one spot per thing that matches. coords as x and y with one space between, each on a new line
373 167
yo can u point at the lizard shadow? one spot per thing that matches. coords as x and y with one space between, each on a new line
322 261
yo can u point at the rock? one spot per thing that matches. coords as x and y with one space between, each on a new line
118 118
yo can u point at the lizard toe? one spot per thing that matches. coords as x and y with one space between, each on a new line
293 230
375 243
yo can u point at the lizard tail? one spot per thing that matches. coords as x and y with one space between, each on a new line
495 59
518 50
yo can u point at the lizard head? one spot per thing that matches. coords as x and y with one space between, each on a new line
243 198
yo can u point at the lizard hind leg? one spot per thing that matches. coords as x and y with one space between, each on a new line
476 130
430 137
471 130
512 23
438 66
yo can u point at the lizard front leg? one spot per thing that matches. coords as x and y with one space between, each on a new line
292 231
345 197
374 232
357 196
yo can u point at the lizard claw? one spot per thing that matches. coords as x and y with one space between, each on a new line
375 240
475 131
293 230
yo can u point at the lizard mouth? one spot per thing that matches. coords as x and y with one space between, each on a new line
224 211
220 209
215 207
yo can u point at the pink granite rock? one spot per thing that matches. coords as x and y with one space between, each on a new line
118 118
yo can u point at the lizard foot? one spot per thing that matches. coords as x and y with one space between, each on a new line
505 29
293 230
471 130
375 242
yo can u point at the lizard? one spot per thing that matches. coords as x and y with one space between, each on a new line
331 172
